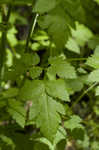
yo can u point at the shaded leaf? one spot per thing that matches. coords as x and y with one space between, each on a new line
73 122
17 112
57 89
42 6
97 91
73 46
61 68
31 90
35 72
94 76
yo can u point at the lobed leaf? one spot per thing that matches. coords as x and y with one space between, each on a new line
61 68
17 112
57 89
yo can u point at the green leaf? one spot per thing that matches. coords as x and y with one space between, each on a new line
70 6
93 42
17 112
74 85
47 117
75 127
85 143
73 122
40 146
61 145
60 108
59 19
35 91
21 65
94 76
97 1
12 37
56 24
31 90
9 58
61 68
41 39
8 141
46 142
9 93
96 52
14 71
30 59
44 109
42 6
95 145
4 27
97 91
57 89
73 46
78 133
34 112
3 103
81 70
60 135
96 110
82 34
35 72
93 61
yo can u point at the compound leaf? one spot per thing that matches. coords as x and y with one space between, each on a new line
94 76
57 89
47 117
31 90
42 6
73 122
61 68
17 111
35 72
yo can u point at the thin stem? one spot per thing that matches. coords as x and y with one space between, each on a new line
34 24
85 92
12 48
9 13
76 59
31 30
3 44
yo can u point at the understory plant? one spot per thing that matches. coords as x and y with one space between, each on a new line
49 74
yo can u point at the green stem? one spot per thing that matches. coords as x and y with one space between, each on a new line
76 59
31 30
12 48
85 92
8 14
3 44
